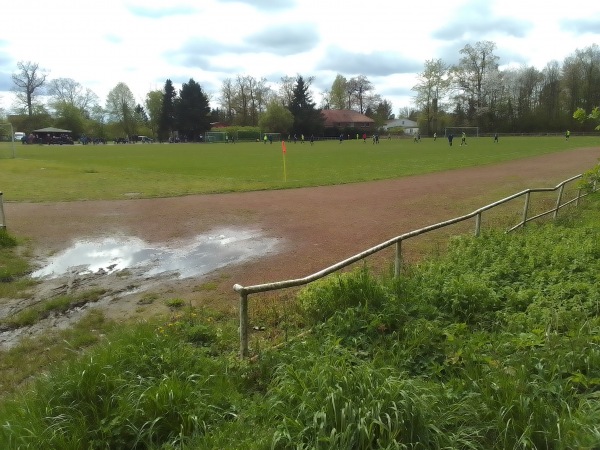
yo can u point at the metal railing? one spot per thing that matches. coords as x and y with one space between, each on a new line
2 218
245 291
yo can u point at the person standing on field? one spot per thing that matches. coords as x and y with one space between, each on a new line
567 135
495 138
463 139
450 137
434 136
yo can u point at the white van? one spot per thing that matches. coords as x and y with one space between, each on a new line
19 135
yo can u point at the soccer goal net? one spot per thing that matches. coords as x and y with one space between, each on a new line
458 131
215 136
271 137
8 141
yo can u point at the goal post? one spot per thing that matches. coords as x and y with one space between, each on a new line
221 136
7 140
275 137
457 131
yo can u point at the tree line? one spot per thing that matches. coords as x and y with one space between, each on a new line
476 92
473 92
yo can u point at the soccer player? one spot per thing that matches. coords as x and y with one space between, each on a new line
450 137
463 139
495 138
567 135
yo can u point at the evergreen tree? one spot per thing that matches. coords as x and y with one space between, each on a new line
192 110
307 119
166 122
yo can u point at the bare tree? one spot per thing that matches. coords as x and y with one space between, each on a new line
357 89
27 81
227 99
286 90
471 76
69 92
433 86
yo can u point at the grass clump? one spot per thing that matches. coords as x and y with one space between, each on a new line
175 303
60 304
13 267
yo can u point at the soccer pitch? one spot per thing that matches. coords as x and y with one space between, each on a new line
63 173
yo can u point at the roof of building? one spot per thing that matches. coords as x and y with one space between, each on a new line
344 116
51 130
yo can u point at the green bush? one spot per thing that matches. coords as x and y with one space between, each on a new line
6 240
324 298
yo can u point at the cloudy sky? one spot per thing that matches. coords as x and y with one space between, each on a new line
100 43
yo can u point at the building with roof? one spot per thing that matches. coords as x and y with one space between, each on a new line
409 126
345 119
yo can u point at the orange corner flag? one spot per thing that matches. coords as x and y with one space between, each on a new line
283 146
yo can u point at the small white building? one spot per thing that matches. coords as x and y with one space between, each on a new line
410 126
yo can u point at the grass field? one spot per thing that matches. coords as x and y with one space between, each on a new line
51 173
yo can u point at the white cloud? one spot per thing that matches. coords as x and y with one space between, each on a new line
144 42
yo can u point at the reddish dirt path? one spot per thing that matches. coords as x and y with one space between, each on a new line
319 226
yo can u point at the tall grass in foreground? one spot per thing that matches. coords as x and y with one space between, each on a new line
493 345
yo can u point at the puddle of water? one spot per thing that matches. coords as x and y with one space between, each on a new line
203 254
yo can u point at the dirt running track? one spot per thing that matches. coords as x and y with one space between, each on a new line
317 226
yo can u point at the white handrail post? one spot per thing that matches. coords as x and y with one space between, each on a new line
526 208
2 221
478 224
578 197
243 324
398 260
558 200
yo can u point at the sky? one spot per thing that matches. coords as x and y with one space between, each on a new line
142 43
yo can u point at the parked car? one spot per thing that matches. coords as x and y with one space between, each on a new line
19 135
145 140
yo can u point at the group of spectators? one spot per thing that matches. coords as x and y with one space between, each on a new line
49 139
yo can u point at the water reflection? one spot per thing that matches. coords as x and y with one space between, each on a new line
200 256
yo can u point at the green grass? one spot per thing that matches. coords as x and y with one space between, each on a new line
43 173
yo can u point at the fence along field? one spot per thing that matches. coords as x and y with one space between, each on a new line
49 173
